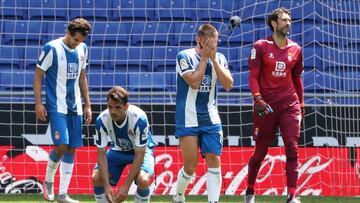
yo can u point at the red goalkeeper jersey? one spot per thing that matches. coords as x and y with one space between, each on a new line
272 70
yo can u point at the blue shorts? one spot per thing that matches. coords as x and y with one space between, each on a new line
66 129
117 161
210 137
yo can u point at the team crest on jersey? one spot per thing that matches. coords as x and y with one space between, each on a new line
271 55
290 58
253 53
205 84
183 64
72 71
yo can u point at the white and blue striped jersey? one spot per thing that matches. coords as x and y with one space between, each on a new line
62 67
133 132
196 107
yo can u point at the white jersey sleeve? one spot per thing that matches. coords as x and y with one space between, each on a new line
222 60
141 130
46 57
183 63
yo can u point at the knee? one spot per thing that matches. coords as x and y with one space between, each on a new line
212 160
61 149
291 148
143 181
96 178
189 170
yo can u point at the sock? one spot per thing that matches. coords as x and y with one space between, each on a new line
66 169
213 184
249 191
183 181
100 195
52 165
142 196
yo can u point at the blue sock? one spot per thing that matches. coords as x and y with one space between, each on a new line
143 193
68 158
99 190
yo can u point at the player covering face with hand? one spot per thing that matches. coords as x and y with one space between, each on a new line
197 119
276 85
128 128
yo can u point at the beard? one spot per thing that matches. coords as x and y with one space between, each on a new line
283 32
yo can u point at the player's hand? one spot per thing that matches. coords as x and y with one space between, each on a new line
261 107
109 194
41 113
88 115
207 49
122 194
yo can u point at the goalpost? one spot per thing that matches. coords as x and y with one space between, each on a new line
134 44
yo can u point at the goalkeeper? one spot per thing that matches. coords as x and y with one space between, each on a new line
275 82
128 128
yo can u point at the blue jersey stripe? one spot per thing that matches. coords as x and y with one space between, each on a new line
202 100
181 98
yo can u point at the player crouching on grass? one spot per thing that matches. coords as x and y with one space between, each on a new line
128 127
275 66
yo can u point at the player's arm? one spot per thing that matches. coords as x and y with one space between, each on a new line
222 72
85 93
255 63
298 83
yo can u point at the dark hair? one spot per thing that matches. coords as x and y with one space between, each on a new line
79 25
207 29
274 15
118 94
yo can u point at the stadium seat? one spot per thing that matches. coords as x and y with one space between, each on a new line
130 59
14 9
318 81
102 79
48 10
338 11
244 34
188 32
304 10
312 57
55 30
164 59
23 33
135 10
93 10
243 55
241 82
151 34
31 57
11 57
146 82
256 11
175 10
216 10
99 59
351 80
110 34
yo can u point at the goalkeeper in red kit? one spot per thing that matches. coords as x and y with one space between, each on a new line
275 82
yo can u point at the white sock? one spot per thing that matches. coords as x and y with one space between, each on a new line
183 181
101 198
213 184
66 170
51 169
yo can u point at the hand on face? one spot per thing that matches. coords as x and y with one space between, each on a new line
209 48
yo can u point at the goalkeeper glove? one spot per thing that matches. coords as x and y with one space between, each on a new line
261 107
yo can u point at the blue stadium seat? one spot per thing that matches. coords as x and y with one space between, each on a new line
256 11
11 57
338 11
151 34
164 59
175 10
216 10
55 30
170 81
31 57
351 80
146 82
304 10
131 59
312 57
187 33
318 81
263 30
102 79
23 32
14 9
243 55
135 10
93 10
110 34
241 81
99 58
48 10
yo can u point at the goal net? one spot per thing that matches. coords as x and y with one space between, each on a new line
134 44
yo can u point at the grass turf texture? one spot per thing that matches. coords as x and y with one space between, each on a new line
32 198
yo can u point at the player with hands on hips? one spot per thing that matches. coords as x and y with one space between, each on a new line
197 119
128 128
275 68
63 61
